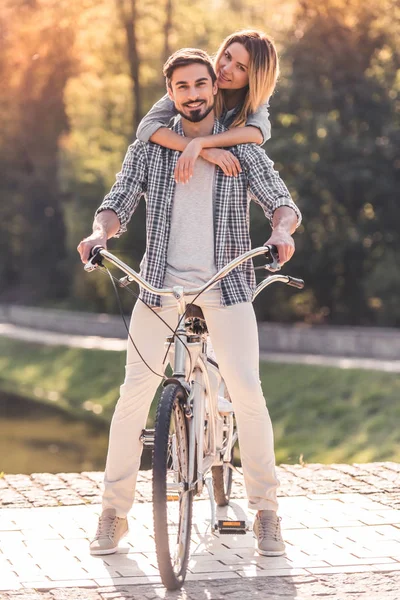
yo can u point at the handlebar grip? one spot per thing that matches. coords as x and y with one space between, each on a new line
95 256
271 251
297 283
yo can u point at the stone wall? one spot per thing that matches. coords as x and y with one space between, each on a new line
63 321
362 342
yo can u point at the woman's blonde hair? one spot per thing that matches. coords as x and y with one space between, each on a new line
263 71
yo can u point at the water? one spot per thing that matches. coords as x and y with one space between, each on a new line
36 438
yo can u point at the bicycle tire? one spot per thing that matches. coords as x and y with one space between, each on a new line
172 511
222 483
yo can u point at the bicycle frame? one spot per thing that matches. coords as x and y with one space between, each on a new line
200 366
194 429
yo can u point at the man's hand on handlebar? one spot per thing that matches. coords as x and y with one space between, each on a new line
284 242
105 226
86 245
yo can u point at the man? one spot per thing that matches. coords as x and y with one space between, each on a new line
193 230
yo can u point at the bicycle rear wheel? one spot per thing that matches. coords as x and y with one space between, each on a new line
172 500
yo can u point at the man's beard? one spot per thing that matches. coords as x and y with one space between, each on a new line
195 116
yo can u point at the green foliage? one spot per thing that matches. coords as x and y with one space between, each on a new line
323 413
335 140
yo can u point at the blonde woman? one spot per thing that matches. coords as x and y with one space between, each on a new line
247 69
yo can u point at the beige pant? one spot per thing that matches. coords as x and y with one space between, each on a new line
233 330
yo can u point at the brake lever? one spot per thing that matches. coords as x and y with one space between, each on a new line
272 256
95 259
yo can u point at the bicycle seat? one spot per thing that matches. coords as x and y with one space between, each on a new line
193 311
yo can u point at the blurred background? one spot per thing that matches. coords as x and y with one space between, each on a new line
75 79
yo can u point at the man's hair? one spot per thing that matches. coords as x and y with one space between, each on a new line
187 56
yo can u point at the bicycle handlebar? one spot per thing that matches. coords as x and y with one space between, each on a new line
270 252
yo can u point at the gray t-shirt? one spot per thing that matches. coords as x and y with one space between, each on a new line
163 111
190 256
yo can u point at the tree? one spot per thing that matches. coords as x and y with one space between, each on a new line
335 138
41 46
128 11
167 29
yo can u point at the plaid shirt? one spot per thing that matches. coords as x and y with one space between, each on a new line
149 169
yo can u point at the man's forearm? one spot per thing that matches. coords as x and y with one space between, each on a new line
284 219
106 224
284 223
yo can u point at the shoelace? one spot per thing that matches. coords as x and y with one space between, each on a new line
269 528
106 527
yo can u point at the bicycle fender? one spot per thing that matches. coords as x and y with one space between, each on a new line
176 381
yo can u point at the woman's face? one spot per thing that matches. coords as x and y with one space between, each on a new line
233 67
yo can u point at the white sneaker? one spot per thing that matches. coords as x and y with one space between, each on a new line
267 528
110 530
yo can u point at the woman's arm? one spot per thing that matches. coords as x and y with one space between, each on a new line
233 137
222 158
154 126
257 131
260 119
169 139
199 146
158 116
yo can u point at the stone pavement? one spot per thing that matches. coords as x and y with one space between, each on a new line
341 524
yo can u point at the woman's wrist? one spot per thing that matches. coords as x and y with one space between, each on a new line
198 142
206 142
205 152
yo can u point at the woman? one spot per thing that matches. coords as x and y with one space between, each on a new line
247 69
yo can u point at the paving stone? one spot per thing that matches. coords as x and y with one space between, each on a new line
68 583
254 572
46 489
368 586
344 519
211 576
129 580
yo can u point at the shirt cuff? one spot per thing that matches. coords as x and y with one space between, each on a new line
108 205
288 202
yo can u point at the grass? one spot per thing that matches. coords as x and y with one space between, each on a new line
333 415
323 414
80 381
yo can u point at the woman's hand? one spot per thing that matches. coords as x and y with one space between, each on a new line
223 159
185 165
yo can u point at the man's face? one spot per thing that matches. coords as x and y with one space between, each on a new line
192 91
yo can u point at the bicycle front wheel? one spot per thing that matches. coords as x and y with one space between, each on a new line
172 499
222 482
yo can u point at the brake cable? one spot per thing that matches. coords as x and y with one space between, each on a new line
113 279
174 331
180 320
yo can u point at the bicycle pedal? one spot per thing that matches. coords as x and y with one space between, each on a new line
232 527
171 497
147 438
